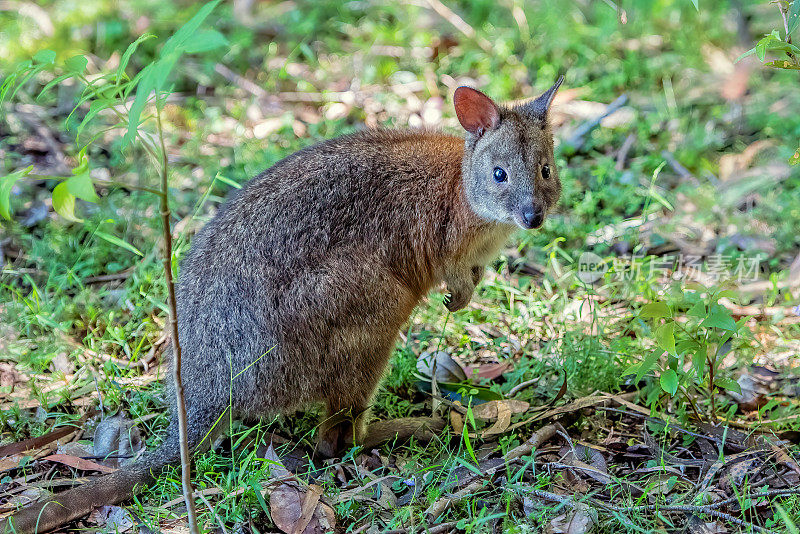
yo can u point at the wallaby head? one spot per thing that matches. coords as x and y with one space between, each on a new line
509 171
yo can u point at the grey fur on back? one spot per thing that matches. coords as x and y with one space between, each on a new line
295 280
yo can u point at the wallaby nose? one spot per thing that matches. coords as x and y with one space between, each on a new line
532 217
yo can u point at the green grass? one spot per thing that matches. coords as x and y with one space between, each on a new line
662 59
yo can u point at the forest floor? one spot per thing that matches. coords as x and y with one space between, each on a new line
656 392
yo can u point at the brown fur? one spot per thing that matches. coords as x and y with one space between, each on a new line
295 292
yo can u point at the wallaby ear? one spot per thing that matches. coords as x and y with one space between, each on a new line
537 108
476 112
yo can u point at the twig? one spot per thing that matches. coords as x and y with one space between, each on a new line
450 16
670 424
540 436
241 81
682 171
520 387
766 285
122 275
584 468
784 15
102 356
666 457
362 528
119 361
686 508
437 529
754 495
440 506
569 501
206 491
423 429
697 509
129 187
186 477
777 420
213 511
622 155
576 140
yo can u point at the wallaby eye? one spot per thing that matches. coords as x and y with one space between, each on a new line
546 171
500 175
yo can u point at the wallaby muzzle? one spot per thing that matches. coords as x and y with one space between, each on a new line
531 217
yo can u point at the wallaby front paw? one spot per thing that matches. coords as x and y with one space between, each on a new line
455 302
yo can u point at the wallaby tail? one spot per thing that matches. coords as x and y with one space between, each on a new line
70 505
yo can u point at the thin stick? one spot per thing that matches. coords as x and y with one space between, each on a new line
437 529
700 509
682 171
440 506
754 495
577 140
622 155
213 511
521 386
460 24
693 509
671 424
186 466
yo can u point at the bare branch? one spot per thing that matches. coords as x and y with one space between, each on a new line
186 466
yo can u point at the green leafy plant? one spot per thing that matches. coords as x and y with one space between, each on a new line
692 337
789 54
110 92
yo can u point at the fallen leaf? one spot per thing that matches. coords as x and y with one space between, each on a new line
387 499
698 526
24 498
10 462
112 518
79 463
296 509
502 422
738 472
751 243
490 411
574 406
286 507
756 384
579 520
62 364
35 443
726 461
729 164
785 458
10 377
363 492
479 334
310 501
80 449
488 371
8 334
590 462
457 422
